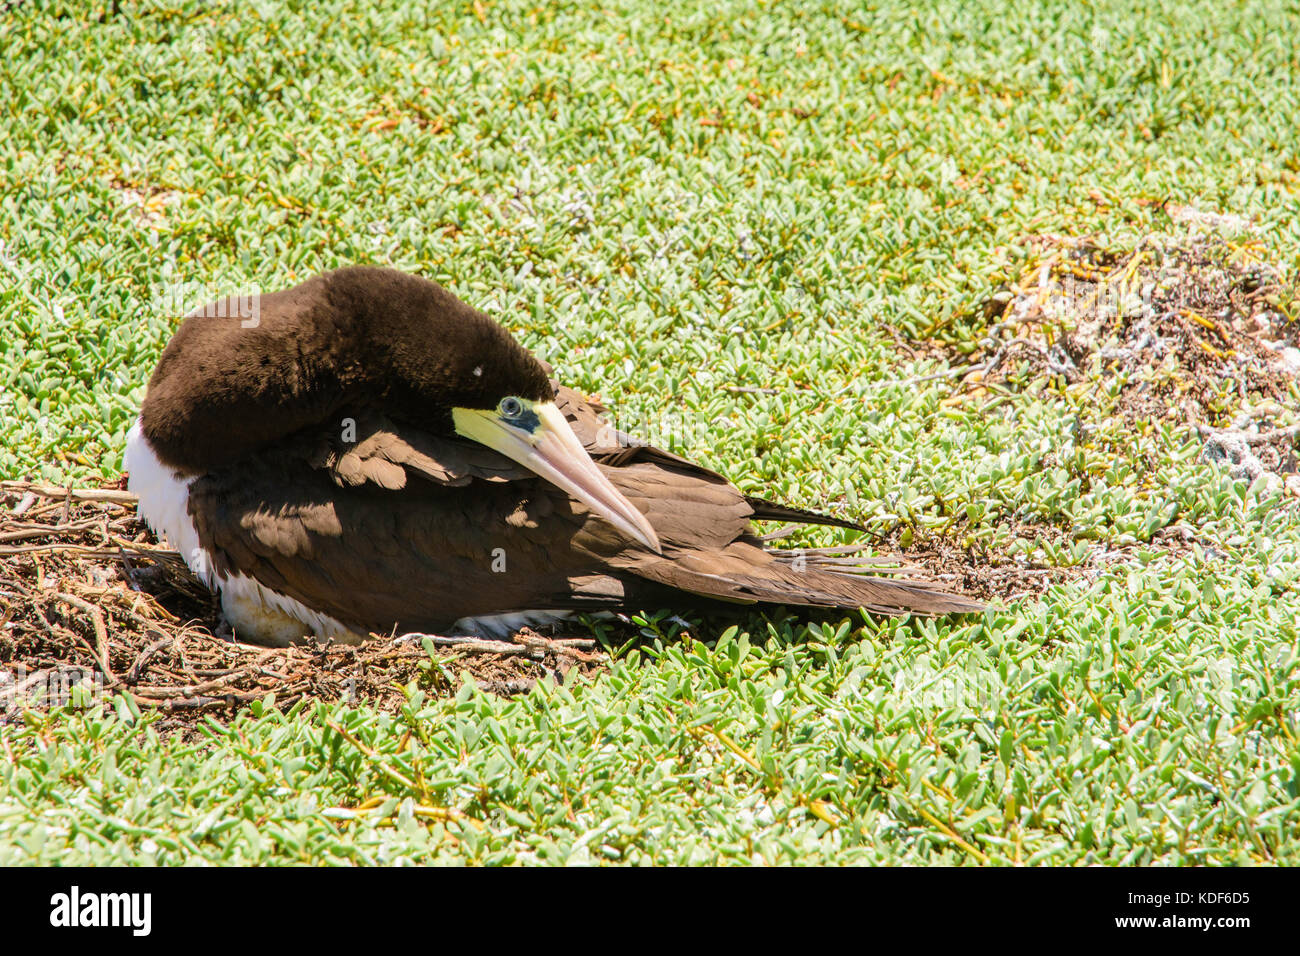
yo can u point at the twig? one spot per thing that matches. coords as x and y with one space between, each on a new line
76 494
142 660
533 646
101 632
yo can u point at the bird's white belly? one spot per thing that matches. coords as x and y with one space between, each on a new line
500 626
256 613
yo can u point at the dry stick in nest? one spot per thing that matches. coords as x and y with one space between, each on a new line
101 633
142 659
89 551
77 494
533 645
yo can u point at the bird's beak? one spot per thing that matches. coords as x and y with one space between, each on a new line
550 449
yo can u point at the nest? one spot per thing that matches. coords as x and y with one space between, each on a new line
91 605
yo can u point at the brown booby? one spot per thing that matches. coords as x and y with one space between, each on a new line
372 454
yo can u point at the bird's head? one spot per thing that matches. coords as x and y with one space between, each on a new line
529 429
498 394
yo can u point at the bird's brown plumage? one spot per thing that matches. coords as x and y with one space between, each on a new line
403 524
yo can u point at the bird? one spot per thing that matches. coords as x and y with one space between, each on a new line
365 454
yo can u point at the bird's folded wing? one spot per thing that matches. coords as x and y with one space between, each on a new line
370 448
418 558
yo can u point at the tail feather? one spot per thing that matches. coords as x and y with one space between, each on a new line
743 573
774 511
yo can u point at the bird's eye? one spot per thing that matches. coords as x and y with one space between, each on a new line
510 408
